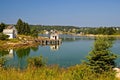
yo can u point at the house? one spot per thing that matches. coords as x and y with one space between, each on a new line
11 31
54 35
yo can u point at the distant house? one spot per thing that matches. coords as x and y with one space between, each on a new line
54 35
11 31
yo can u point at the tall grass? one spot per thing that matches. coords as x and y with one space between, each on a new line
39 71
78 72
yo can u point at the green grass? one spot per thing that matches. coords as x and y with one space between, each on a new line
38 70
78 72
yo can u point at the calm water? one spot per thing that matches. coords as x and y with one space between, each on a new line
71 52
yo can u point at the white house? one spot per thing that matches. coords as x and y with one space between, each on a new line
54 35
11 31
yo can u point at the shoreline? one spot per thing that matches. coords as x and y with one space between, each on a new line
28 41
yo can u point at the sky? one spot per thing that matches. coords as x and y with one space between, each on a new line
82 13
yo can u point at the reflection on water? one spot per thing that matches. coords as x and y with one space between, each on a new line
7 53
3 53
18 57
11 53
23 52
54 47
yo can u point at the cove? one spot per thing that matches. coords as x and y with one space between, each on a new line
72 51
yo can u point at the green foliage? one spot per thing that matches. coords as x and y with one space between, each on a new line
34 33
84 72
3 36
85 30
2 62
22 27
36 61
2 26
3 52
101 57
40 28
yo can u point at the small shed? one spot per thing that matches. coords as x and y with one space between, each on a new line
54 35
11 31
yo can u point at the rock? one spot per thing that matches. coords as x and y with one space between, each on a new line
117 72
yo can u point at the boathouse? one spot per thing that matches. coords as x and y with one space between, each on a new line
54 35
11 31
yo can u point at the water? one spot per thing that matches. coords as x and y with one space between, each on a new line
72 51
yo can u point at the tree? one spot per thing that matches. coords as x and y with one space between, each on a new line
101 58
34 33
2 26
19 26
26 28
22 27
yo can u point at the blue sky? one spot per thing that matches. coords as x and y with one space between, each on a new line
91 13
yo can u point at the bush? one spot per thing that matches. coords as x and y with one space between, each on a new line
36 62
3 36
2 62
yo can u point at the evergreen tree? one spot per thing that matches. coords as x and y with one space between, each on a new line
22 27
101 58
27 28
2 26
19 26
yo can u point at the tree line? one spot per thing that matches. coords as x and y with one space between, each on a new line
100 30
26 29
73 29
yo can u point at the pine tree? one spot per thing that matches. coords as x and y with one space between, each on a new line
101 57
19 26
22 27
27 28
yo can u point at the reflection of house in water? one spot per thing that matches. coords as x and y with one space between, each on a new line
54 47
11 53
8 54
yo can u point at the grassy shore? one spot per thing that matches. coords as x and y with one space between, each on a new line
28 41
78 72
20 41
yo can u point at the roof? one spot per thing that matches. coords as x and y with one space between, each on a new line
10 27
9 30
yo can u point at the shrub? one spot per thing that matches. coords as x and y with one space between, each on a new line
3 36
2 62
36 61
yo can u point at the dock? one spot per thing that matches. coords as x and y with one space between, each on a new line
48 41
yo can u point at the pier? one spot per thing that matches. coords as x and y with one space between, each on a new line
49 41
